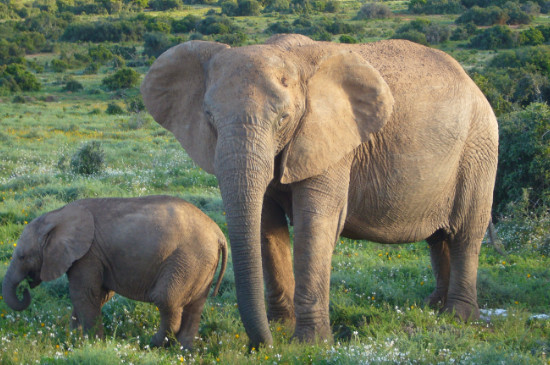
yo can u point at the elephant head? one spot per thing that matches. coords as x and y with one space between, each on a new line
286 110
46 250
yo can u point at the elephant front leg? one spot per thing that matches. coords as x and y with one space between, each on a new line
319 210
277 263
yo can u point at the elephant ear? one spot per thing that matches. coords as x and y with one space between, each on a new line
173 92
67 235
347 100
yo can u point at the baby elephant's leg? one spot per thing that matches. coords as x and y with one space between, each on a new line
190 319
87 302
170 320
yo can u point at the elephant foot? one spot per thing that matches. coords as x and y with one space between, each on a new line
316 333
462 310
159 340
436 300
186 343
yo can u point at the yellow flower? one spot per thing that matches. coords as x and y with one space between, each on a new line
56 346
212 308
379 255
278 328
372 298
25 222
266 357
399 256
217 359
503 262
516 302
42 324
237 336
15 245
528 275
412 306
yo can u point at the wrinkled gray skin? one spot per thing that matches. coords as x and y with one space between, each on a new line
388 141
155 249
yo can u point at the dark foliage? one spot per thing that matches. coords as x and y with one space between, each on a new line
435 7
374 11
524 158
497 37
15 77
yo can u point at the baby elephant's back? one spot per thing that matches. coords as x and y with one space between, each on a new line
144 235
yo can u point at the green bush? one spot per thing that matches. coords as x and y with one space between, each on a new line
186 24
73 85
114 109
524 159
435 7
374 11
59 65
16 77
162 5
423 31
88 159
156 43
100 54
497 37
531 37
345 38
122 79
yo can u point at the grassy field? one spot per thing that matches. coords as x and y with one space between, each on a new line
377 291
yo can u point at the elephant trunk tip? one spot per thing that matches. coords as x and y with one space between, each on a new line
9 293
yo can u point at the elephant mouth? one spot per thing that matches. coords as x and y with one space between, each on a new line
33 282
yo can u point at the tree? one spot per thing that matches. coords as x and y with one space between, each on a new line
497 37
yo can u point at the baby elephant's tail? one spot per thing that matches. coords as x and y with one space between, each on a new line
223 248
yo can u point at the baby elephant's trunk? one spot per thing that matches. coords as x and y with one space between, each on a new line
223 249
9 290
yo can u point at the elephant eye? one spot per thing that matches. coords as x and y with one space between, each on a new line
282 119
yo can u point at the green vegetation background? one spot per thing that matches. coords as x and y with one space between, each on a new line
72 126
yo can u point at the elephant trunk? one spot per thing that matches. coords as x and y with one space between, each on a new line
244 169
9 290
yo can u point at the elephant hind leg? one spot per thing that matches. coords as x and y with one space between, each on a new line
439 254
170 321
190 320
277 263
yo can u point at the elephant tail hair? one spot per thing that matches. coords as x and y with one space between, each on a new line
223 249
494 240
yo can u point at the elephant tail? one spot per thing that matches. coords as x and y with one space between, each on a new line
223 249
494 240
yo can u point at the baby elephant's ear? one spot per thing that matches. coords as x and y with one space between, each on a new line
67 235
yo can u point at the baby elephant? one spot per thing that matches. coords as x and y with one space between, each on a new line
155 249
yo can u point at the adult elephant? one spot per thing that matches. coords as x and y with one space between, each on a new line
388 141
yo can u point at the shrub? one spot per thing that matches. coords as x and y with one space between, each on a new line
374 11
484 16
100 53
435 6
217 25
114 109
88 159
423 31
186 24
16 77
134 104
499 36
463 32
122 79
73 85
524 158
59 65
413 36
345 38
162 5
156 43
91 69
531 37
